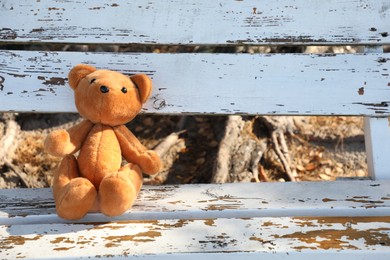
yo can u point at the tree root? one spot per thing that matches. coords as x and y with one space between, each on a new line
162 149
241 150
227 147
281 150
8 140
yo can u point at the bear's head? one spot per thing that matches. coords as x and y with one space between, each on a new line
108 97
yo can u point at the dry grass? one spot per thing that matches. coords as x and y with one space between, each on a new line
321 149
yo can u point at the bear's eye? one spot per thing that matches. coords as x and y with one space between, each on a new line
92 81
104 89
124 90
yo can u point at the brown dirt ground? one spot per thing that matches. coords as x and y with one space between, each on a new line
321 148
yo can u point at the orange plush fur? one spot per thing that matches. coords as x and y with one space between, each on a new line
96 180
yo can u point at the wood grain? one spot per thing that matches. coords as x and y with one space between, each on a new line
273 220
238 200
285 84
196 22
252 238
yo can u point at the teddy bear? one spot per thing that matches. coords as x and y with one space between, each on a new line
97 179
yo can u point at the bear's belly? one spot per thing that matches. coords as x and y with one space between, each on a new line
100 154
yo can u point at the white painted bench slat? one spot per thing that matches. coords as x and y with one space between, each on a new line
237 200
287 84
377 139
270 218
272 238
188 22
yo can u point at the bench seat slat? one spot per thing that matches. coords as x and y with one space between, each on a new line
342 198
188 22
271 237
287 84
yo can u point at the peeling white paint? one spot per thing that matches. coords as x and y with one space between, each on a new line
286 84
281 236
244 200
188 22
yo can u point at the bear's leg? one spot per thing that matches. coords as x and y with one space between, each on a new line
118 191
73 195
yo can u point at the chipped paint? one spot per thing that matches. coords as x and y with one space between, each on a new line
262 241
209 222
204 234
8 34
148 236
2 81
47 70
55 81
280 23
340 239
11 241
364 199
60 240
178 201
221 207
159 104
218 241
327 200
223 235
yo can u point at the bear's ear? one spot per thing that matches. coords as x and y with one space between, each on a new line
144 85
78 72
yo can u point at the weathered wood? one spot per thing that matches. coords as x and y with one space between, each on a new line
239 153
227 148
162 149
239 200
188 22
8 139
252 238
284 84
274 220
278 126
338 220
377 139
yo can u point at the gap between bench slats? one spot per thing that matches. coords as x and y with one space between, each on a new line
245 200
283 84
188 22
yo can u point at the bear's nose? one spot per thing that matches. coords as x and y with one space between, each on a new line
104 89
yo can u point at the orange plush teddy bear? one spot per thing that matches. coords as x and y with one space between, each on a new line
97 180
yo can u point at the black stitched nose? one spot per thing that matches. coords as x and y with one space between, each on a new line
104 89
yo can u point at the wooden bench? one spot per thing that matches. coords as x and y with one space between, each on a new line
303 220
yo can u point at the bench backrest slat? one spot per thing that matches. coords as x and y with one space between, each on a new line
203 83
197 22
299 84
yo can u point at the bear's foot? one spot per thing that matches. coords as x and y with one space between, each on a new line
75 199
118 191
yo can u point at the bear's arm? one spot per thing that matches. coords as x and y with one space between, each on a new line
133 151
63 142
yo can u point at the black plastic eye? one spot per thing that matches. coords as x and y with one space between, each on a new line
92 81
124 90
104 89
